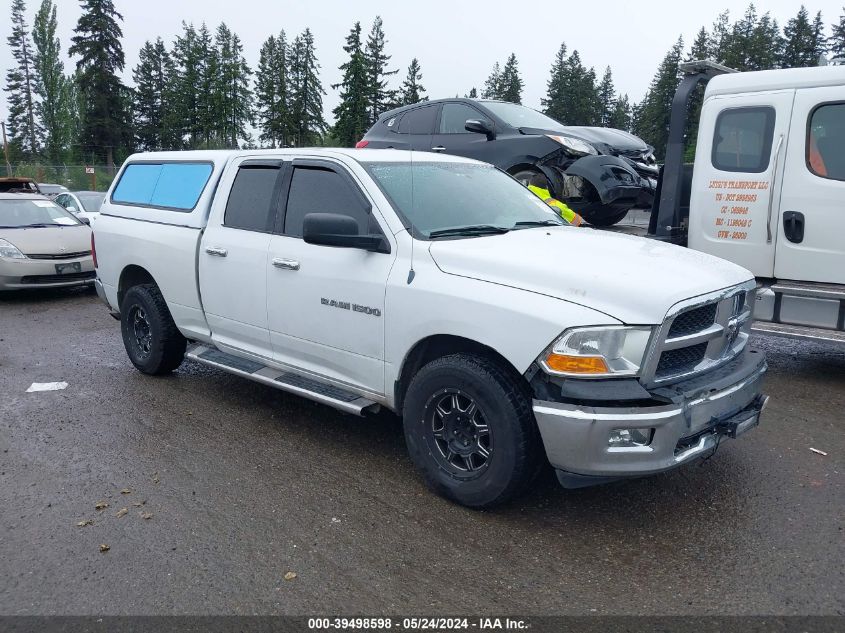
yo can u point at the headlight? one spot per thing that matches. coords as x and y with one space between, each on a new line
7 249
574 145
597 352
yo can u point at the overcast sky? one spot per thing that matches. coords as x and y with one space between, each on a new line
456 41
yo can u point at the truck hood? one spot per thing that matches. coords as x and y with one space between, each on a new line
632 279
618 140
49 240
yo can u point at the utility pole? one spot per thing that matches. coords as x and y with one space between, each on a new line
6 150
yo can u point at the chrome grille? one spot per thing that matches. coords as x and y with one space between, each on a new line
700 334
681 360
693 320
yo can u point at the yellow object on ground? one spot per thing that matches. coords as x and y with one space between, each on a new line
565 212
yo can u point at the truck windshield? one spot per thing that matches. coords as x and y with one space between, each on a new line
440 199
26 212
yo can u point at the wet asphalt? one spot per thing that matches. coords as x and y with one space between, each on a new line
244 484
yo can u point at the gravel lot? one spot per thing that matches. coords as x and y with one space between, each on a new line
244 484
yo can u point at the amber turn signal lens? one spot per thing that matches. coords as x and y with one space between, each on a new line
576 364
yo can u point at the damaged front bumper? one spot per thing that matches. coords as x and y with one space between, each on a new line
602 185
700 414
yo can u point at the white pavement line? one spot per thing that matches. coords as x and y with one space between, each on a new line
46 386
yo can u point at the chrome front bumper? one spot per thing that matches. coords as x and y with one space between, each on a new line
576 436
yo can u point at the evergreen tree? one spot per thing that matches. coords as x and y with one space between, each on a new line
381 98
24 130
652 117
620 116
581 100
557 88
307 123
836 41
607 98
152 77
702 46
720 39
211 107
105 125
271 91
184 109
412 90
232 88
511 82
54 107
352 114
493 84
472 94
804 41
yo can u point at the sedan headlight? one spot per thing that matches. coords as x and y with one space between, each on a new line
597 352
7 249
574 146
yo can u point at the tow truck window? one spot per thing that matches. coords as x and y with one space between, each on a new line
743 139
826 141
251 199
418 121
319 190
454 116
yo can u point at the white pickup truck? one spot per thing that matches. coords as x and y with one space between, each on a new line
440 288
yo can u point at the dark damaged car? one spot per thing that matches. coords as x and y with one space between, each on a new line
599 172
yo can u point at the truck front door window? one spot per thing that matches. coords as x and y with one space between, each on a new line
826 141
743 139
320 190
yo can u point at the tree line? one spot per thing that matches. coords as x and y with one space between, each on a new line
200 91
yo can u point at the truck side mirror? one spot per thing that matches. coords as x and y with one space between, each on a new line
334 229
480 126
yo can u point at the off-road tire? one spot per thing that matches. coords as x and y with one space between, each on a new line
165 348
516 455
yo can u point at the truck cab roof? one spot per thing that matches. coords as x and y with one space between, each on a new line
779 79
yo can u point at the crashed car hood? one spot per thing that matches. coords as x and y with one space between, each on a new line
49 240
632 279
617 139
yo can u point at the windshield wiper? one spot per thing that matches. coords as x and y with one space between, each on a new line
530 223
475 229
35 226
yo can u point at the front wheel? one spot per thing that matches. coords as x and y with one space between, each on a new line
152 341
470 430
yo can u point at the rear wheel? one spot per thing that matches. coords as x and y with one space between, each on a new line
152 341
470 430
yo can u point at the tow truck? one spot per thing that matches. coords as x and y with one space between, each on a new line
766 190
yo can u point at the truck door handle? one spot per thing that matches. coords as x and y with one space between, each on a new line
793 226
286 264
438 148
216 251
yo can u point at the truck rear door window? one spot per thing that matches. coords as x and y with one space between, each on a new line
743 139
251 201
173 186
826 141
